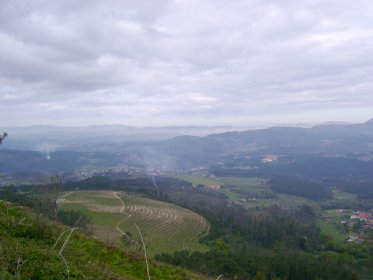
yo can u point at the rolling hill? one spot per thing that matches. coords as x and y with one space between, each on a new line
166 227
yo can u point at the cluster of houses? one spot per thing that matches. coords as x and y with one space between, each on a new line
365 217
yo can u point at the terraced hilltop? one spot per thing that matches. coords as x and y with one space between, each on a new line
166 227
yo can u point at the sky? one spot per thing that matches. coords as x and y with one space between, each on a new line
185 62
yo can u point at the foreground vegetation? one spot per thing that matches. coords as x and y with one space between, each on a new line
270 242
30 249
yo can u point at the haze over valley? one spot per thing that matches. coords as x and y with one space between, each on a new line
186 139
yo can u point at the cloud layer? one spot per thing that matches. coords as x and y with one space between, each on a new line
184 61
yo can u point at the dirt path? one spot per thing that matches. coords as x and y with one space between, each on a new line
60 199
122 208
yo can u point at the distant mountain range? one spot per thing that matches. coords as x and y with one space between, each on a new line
328 139
93 138
73 148
108 137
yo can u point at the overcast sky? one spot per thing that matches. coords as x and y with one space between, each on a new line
208 62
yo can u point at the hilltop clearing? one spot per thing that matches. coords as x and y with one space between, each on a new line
165 226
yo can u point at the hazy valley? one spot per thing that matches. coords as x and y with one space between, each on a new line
186 139
199 199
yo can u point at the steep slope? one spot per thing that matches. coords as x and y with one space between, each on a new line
30 249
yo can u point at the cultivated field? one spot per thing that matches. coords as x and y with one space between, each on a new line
330 224
165 227
250 192
196 180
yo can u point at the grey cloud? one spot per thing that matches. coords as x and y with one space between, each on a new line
92 62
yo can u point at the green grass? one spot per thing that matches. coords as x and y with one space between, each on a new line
329 224
235 189
254 183
233 186
231 195
197 180
166 227
330 228
32 242
292 200
93 197
287 201
341 195
99 218
106 201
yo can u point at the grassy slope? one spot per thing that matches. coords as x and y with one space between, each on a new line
166 227
26 252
